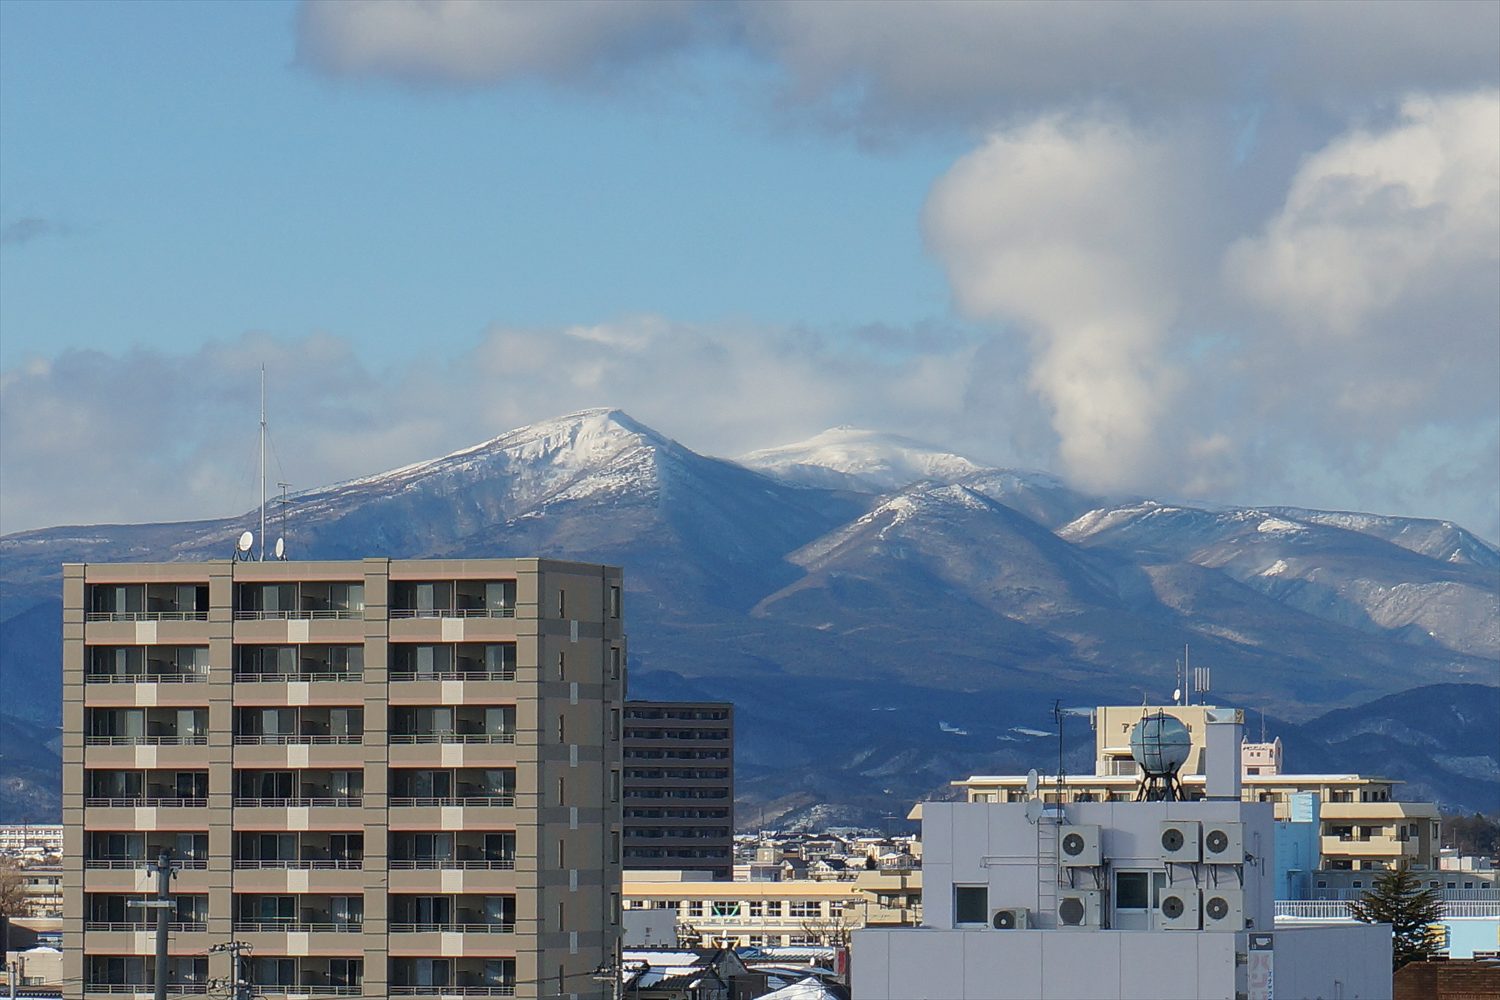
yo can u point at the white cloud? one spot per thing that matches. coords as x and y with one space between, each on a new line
1066 228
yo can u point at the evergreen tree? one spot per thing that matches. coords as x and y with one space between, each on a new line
1398 898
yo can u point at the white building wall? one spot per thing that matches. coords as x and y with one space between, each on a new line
995 844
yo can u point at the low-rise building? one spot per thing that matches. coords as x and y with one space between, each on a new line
1363 824
1107 900
30 840
716 913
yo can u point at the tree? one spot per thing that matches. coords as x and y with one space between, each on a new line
1398 898
13 901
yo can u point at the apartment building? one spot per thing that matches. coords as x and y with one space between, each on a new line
30 840
389 778
702 911
679 786
1364 825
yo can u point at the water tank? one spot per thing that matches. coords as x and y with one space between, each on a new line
1160 744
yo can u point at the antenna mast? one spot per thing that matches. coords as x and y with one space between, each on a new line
262 463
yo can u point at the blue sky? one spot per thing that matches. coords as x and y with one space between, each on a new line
1236 253
209 185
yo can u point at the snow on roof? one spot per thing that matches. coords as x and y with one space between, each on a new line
810 988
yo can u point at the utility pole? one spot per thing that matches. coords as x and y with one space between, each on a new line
163 904
238 988
613 972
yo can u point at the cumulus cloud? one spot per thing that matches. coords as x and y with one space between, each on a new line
1067 229
1348 348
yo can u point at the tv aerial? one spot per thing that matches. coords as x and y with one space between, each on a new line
242 547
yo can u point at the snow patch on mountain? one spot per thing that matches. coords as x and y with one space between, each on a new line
861 458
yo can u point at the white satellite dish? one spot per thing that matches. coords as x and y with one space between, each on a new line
1032 780
281 548
247 539
1176 695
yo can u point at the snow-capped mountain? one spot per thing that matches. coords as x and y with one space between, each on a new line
906 577
864 460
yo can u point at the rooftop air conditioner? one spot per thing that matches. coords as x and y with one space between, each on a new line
1223 843
1009 920
1181 840
1179 909
1224 909
1078 909
1078 845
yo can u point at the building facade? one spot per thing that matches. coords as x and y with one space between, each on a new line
697 910
389 778
1363 824
679 786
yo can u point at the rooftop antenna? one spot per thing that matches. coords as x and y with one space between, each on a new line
1187 675
262 463
281 535
1057 716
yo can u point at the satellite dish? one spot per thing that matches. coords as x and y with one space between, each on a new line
1176 695
281 548
1034 810
1032 780
247 539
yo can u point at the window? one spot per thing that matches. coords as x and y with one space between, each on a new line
813 908
561 729
725 908
614 602
562 665
614 846
561 791
614 663
773 907
562 603
614 724
971 904
614 785
757 908
562 853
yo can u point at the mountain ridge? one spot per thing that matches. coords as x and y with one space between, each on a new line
976 601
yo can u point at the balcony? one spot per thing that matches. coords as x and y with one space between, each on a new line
142 926
312 725
304 600
453 599
451 991
145 989
146 727
146 602
96 802
494 661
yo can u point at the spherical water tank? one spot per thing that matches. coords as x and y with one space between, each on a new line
1160 743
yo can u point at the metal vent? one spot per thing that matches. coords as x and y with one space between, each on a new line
1070 911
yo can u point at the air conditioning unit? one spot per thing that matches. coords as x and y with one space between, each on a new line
1078 846
1224 843
1181 840
1224 909
1078 908
1179 909
1009 920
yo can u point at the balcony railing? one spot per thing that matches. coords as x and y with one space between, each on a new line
289 739
451 991
291 989
450 863
1339 910
144 803
486 928
146 741
146 616
320 613
469 800
144 925
347 801
181 677
452 612
301 676
299 927
410 738
399 676
321 864
144 989
126 864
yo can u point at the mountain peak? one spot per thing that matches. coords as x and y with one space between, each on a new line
859 458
